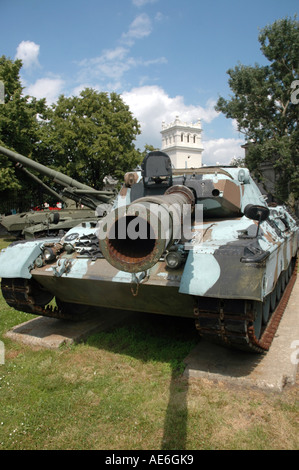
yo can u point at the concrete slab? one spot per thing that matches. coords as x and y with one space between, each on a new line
52 333
272 371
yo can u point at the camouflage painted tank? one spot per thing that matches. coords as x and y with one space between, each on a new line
33 224
201 244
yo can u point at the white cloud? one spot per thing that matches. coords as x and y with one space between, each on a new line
160 17
112 65
139 28
151 105
107 69
235 125
159 60
222 151
49 88
141 3
28 52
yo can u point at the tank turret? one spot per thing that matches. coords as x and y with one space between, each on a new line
138 233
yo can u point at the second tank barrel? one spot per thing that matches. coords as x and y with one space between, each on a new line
55 175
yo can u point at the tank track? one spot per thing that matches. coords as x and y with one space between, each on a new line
231 322
21 294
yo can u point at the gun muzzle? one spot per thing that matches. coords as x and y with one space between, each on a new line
134 237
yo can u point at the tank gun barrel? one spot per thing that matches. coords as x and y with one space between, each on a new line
34 178
134 237
91 191
93 197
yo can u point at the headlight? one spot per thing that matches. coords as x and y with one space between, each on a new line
49 255
173 259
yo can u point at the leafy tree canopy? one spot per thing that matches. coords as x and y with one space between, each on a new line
90 136
263 107
19 126
86 137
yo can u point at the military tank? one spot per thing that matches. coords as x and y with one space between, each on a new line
200 244
81 202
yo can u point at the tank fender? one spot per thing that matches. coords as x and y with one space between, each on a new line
17 259
201 272
221 274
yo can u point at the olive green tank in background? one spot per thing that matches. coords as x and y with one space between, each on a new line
81 203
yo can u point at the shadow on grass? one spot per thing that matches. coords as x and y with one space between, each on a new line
158 338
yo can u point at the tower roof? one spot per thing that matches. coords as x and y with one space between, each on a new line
177 123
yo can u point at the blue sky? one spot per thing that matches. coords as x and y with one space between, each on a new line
165 57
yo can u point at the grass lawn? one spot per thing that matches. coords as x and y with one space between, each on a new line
124 389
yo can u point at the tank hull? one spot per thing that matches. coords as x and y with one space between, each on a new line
213 269
117 290
36 224
232 274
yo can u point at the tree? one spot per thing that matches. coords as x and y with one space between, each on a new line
90 136
19 126
263 107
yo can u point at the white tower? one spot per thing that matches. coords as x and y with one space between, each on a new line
182 142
